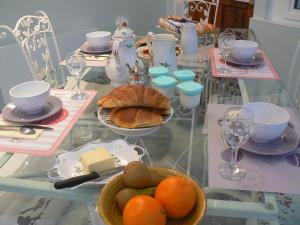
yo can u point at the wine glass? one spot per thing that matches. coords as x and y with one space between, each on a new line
237 126
76 64
225 43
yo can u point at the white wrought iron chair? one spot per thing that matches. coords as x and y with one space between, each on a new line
204 7
35 35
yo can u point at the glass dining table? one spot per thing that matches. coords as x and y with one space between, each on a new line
29 197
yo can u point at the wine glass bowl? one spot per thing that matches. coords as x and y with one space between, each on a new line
237 126
75 63
225 43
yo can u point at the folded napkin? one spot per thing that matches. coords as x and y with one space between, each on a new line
17 134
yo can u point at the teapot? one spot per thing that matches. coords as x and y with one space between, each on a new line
162 49
123 52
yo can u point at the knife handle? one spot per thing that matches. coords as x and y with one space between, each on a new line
73 181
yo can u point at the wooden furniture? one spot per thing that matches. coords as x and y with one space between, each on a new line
234 14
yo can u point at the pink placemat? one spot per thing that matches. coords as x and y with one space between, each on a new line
62 122
264 173
265 72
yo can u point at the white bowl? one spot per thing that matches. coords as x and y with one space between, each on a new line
99 39
270 121
243 50
30 96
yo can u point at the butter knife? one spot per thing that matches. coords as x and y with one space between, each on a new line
74 181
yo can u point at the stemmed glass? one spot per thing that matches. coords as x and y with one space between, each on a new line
76 64
225 43
237 125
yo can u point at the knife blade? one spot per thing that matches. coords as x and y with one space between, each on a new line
74 181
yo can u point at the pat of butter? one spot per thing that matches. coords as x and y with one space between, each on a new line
97 160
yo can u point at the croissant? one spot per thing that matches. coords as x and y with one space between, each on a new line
134 95
135 117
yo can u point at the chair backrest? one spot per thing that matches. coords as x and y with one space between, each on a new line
293 84
35 35
14 70
199 10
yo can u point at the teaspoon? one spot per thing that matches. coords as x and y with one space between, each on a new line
25 129
22 129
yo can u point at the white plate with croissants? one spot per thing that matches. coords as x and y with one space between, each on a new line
134 110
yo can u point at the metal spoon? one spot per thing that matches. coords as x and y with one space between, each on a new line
22 129
25 129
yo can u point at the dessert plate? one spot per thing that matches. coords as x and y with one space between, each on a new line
68 164
257 60
86 48
12 113
104 117
279 146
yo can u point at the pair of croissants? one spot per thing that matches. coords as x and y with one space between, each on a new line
136 106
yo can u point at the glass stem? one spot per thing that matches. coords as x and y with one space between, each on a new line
225 62
78 87
233 157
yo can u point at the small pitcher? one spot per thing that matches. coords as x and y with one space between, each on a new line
162 50
189 38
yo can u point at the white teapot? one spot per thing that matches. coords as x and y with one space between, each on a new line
123 52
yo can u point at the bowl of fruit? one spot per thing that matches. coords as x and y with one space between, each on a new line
152 196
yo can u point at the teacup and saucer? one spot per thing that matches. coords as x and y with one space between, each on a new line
31 101
98 42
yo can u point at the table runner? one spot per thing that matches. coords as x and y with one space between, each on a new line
265 72
267 174
62 122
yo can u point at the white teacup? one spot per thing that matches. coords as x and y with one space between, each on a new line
99 39
30 96
243 50
270 121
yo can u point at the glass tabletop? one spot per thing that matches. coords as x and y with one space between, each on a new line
181 145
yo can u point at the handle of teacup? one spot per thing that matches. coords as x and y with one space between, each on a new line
149 44
116 50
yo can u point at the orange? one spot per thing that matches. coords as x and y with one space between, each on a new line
177 195
144 210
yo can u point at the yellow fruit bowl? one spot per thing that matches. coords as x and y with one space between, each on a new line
111 215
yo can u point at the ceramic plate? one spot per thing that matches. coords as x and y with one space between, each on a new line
86 48
103 116
68 164
276 147
12 113
143 52
258 60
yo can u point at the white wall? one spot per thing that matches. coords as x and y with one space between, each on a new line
71 15
277 34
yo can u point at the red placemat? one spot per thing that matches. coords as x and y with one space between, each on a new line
265 72
62 122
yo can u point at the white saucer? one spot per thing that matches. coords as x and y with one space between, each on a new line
12 113
86 48
257 60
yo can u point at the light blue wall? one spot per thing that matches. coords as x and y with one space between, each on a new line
71 15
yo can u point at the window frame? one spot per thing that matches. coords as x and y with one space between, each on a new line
296 3
292 13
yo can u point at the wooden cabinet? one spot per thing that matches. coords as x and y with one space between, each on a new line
234 14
